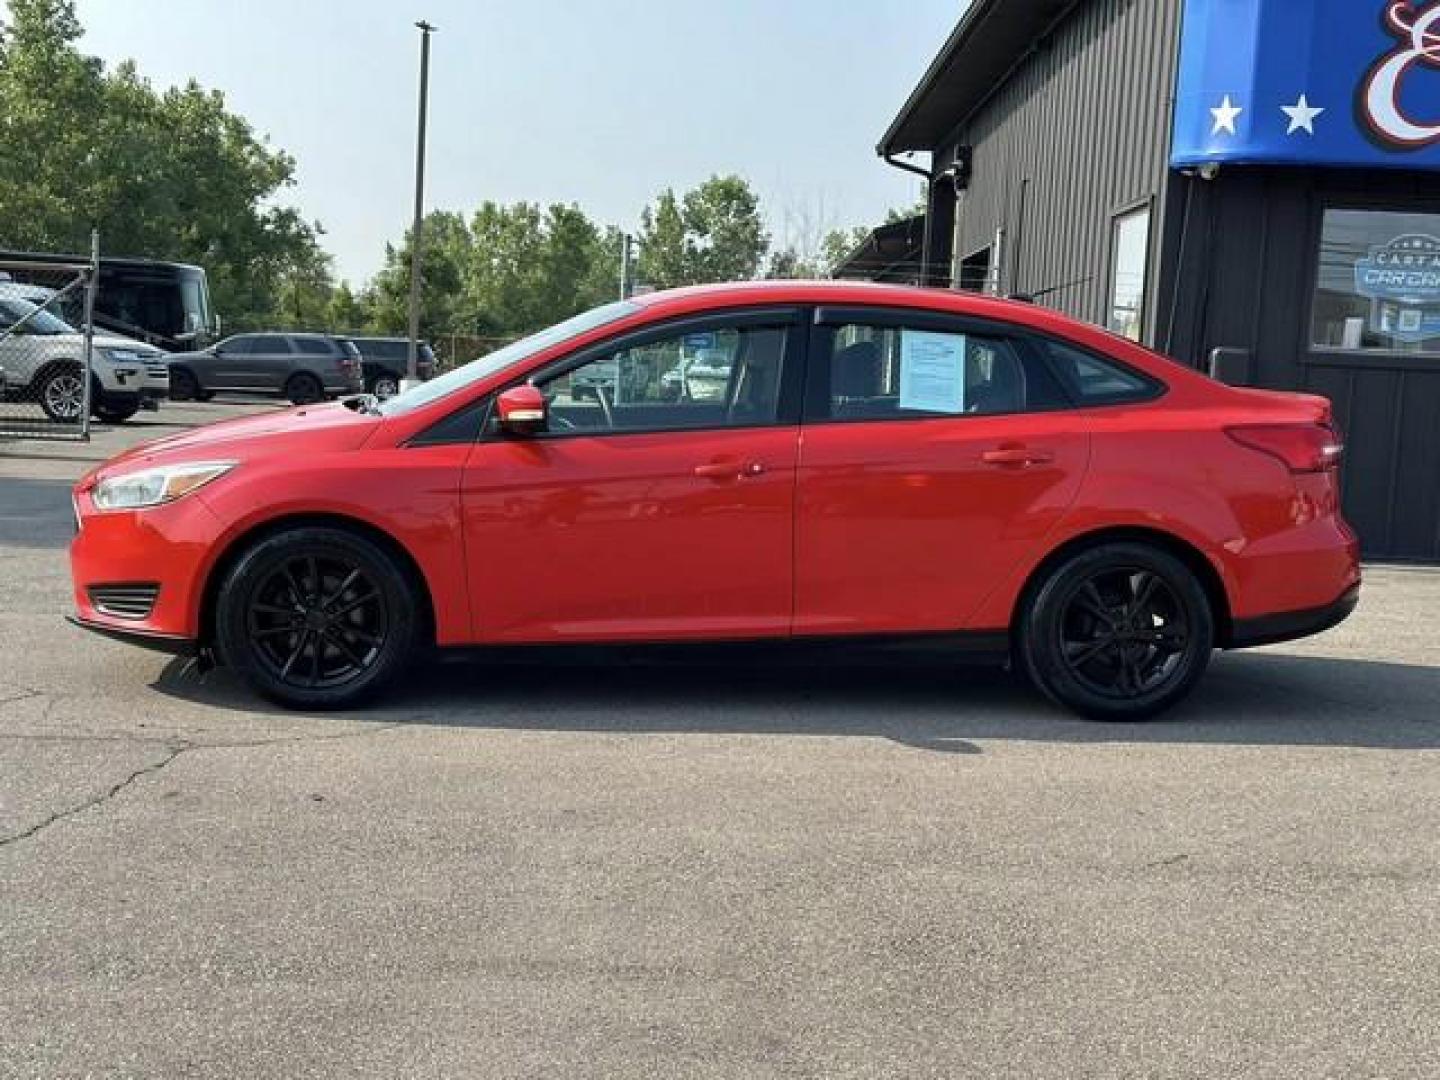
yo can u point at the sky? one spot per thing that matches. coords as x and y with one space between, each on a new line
602 103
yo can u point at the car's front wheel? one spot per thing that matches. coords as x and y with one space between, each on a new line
317 617
62 393
385 386
1120 631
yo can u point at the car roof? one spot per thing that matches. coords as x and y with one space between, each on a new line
1023 314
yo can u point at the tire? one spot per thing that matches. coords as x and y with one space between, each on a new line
1120 631
327 652
184 386
304 389
116 414
61 391
384 386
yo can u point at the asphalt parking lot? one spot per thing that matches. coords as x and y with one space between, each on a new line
683 869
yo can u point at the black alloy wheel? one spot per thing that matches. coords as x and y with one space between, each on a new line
1118 632
317 617
183 385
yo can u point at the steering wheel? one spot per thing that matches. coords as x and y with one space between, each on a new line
604 398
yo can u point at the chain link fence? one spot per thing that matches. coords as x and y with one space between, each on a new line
48 383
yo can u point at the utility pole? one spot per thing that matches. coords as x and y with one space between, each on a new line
415 239
625 266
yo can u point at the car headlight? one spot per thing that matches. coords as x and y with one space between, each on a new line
123 356
152 487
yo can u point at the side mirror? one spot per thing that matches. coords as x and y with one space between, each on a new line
521 410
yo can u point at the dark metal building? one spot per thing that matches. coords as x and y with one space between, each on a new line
1146 165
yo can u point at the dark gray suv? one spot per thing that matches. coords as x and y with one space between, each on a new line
301 367
385 359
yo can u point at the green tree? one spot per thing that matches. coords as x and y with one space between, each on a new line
713 233
347 311
171 176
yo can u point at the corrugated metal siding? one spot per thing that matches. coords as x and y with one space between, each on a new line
1248 265
1086 118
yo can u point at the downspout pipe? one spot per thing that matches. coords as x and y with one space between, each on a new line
905 166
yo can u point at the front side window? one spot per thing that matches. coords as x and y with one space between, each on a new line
726 377
516 352
894 373
1129 261
1378 288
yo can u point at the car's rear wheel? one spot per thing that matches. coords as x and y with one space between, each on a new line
304 389
317 617
385 386
1120 631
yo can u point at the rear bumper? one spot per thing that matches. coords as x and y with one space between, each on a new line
1290 625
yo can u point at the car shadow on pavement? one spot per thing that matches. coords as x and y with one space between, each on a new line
1260 699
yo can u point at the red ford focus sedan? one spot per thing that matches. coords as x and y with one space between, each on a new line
766 461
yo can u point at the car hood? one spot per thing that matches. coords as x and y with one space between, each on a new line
303 431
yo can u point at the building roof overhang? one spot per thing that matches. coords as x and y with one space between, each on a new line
990 39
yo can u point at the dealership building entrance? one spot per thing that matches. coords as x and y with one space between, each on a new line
1248 185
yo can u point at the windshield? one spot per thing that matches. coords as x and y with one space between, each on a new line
37 320
516 351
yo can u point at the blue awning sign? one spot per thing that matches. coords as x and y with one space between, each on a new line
1322 82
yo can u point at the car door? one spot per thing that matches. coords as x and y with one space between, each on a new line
270 363
223 367
645 511
937 453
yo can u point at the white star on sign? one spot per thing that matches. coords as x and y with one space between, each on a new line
1225 116
1302 116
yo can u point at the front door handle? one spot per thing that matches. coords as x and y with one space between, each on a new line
729 470
1016 456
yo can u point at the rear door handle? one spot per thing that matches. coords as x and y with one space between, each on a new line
729 470
1016 456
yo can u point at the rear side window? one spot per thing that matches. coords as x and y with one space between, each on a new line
269 343
384 350
1093 380
896 373
313 346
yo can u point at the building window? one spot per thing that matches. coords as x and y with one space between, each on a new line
1129 262
1379 282
975 272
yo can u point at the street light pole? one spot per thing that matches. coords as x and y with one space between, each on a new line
625 265
411 364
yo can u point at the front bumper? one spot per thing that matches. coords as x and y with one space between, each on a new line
168 546
145 639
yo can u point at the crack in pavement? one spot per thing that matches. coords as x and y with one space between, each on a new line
176 749
61 815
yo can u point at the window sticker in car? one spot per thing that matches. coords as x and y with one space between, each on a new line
932 371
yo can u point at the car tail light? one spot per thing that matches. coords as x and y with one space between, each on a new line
1303 448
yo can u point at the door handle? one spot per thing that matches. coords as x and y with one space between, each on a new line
1016 456
729 470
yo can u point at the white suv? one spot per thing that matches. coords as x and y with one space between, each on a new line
40 355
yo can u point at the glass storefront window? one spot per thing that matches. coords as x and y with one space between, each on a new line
1129 260
1379 282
